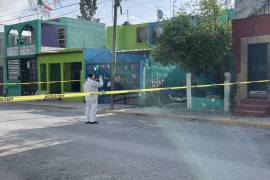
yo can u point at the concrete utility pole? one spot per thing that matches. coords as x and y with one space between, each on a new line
116 5
174 7
127 13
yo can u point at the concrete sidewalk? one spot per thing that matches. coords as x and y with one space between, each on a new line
174 111
76 107
170 111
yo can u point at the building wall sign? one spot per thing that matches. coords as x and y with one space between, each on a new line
51 49
23 50
27 50
13 51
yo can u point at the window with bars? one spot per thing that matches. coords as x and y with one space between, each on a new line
13 70
61 37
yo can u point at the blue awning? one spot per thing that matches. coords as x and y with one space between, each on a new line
104 56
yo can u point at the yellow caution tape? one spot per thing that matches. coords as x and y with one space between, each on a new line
75 95
48 82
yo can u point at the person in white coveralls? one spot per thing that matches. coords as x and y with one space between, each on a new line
92 101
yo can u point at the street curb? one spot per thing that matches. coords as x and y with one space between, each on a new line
45 106
225 121
60 107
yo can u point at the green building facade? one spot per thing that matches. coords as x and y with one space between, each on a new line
127 37
66 66
142 37
24 41
134 37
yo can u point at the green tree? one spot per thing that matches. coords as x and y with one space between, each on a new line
88 10
199 42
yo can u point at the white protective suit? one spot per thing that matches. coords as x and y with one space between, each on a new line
91 101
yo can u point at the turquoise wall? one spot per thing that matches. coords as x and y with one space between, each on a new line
79 34
36 24
207 103
84 34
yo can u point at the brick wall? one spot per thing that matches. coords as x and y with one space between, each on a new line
245 28
243 74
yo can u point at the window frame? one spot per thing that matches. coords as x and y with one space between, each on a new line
140 40
62 38
9 70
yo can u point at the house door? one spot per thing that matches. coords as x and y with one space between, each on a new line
257 66
55 75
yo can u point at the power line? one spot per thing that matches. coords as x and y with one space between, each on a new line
71 12
70 5
30 15
17 12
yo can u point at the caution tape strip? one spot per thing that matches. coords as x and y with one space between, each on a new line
48 82
76 95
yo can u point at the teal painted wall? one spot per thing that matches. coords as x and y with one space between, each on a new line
207 103
126 37
84 34
14 90
36 24
79 34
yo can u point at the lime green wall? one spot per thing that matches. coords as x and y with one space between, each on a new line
62 58
126 37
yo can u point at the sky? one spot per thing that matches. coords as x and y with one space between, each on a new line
139 11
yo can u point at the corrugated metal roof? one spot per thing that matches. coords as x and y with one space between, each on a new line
246 8
104 56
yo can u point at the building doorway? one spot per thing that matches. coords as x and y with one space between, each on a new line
55 75
72 76
28 75
76 75
257 67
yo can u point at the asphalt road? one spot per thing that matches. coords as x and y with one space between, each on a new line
45 144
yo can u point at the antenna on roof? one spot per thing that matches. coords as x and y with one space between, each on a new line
174 7
44 7
127 21
160 14
127 13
